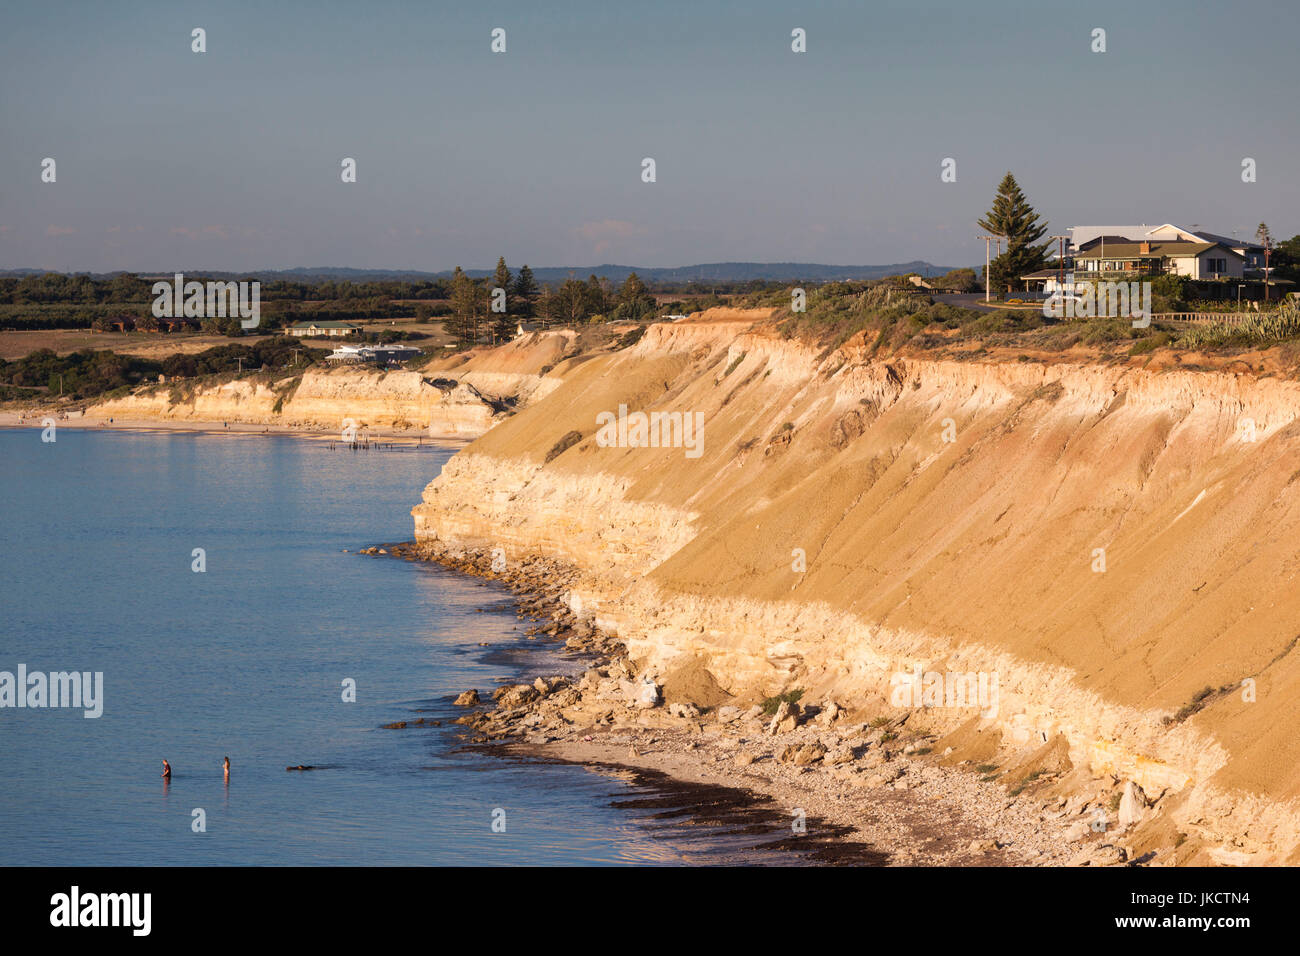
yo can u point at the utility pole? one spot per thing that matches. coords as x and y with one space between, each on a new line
1268 248
987 239
1060 263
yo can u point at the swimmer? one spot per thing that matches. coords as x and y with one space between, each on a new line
225 766
167 770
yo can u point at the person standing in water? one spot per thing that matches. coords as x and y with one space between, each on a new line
225 767
167 770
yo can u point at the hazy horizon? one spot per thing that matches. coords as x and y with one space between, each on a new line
489 268
229 160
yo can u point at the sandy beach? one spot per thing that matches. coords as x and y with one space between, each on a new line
390 436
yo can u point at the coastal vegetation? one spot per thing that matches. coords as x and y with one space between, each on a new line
771 704
99 373
892 316
891 312
62 301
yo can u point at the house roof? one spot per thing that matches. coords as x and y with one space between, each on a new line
1133 250
330 324
1081 235
1108 239
1230 241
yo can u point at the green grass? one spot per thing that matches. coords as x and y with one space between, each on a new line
789 697
1151 343
1262 329
1025 782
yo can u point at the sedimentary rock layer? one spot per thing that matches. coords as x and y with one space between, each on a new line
455 397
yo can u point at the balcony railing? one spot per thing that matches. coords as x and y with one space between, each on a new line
1143 270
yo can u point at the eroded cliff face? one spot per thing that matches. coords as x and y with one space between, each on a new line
1117 547
455 397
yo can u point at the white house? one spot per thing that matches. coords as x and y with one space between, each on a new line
380 354
1223 266
329 328
1106 258
1252 253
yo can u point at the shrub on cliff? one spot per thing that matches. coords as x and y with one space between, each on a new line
631 337
770 704
276 352
564 444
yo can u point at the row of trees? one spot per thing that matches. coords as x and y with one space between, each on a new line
58 287
89 373
576 301
495 305
82 290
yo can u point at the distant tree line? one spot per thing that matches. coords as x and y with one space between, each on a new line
490 309
58 287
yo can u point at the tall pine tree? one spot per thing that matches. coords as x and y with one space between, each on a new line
468 303
503 324
634 299
525 293
597 298
501 279
1014 219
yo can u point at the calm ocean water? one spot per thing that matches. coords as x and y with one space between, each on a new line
247 659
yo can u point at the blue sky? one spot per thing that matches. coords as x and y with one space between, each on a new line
230 160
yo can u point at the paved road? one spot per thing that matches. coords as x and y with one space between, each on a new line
966 300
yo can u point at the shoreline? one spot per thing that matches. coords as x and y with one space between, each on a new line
873 786
17 420
732 821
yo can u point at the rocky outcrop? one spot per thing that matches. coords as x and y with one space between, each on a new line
1091 559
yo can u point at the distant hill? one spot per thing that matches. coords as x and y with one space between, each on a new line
702 273
740 272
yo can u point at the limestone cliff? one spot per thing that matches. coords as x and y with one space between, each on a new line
453 397
1118 546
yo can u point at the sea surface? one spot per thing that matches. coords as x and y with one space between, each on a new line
248 658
